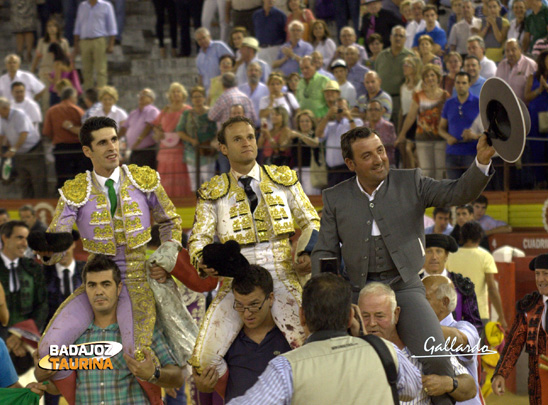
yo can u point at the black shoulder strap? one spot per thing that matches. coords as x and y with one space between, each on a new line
387 362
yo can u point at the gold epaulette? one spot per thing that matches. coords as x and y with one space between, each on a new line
215 188
143 177
76 191
281 175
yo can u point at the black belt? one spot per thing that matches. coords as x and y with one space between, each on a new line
383 275
38 144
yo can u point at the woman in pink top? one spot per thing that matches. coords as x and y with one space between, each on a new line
173 171
299 13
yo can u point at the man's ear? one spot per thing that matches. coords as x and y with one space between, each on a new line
397 315
350 164
446 302
223 148
87 151
119 289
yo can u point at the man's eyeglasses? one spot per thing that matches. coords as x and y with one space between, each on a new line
253 308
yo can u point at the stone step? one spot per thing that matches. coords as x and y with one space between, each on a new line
139 8
163 66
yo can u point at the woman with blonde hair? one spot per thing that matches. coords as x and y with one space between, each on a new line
426 110
173 171
108 97
304 148
412 68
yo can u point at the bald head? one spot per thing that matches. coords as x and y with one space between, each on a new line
441 294
372 83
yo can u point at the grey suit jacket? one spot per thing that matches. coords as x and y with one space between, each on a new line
398 209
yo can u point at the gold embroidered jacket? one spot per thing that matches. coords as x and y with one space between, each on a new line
223 209
140 195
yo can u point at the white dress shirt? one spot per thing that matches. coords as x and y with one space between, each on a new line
60 269
7 263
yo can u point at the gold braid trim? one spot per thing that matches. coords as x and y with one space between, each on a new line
142 177
215 188
281 175
76 191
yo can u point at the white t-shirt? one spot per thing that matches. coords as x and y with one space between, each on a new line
32 109
280 101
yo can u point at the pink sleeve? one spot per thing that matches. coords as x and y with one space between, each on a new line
151 115
158 119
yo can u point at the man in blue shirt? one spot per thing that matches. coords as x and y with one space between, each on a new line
207 61
456 119
258 342
269 24
436 33
442 219
472 67
254 89
293 51
94 35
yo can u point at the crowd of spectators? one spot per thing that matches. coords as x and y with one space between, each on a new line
396 57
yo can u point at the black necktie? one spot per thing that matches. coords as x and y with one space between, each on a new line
14 281
246 181
66 283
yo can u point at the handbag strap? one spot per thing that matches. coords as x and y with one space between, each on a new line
387 362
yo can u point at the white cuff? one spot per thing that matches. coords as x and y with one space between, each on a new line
484 168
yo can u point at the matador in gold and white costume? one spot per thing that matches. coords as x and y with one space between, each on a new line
223 210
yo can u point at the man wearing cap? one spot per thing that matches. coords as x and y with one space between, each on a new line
438 247
310 89
389 66
292 51
332 126
530 330
347 89
379 20
248 51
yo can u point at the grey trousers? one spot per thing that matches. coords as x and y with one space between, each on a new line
31 172
416 324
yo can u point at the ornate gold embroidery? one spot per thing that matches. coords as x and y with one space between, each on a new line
283 227
142 300
100 218
132 209
118 225
215 188
120 238
101 201
76 191
124 194
103 233
281 175
265 188
133 225
97 247
233 211
240 195
143 177
136 241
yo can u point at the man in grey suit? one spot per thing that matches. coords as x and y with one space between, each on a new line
374 222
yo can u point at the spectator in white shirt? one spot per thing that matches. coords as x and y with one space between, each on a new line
33 85
476 47
26 104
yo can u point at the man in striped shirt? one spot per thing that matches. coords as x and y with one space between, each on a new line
380 313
